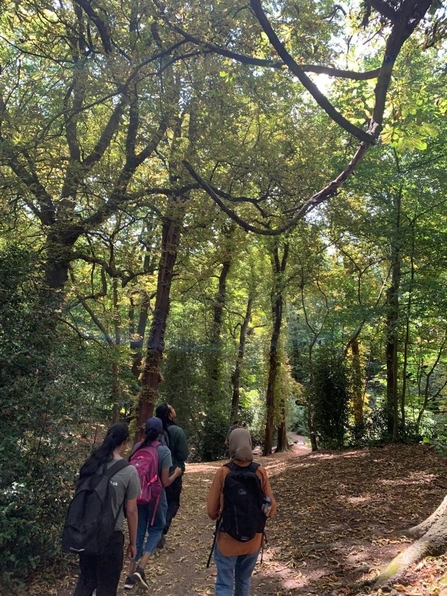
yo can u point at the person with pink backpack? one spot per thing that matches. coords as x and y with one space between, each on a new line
152 461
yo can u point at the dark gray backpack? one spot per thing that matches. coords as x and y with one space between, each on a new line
242 515
90 519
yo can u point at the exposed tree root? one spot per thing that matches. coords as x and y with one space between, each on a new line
432 540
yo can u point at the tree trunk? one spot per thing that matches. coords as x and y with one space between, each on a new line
151 375
236 376
215 419
392 322
432 540
282 442
358 390
137 335
216 355
277 302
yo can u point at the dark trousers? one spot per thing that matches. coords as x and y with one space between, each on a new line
173 497
101 572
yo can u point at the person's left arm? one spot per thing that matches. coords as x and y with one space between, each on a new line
267 489
213 503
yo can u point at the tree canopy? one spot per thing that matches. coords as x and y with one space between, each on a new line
234 207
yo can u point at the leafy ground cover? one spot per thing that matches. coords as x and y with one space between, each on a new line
339 520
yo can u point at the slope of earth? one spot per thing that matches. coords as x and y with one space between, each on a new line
338 523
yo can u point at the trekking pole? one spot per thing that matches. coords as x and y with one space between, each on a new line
214 542
263 543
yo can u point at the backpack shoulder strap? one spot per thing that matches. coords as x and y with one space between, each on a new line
253 466
120 465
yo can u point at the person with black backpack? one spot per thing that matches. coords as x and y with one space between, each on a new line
240 499
153 462
174 437
94 523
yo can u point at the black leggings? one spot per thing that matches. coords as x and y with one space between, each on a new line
173 497
101 572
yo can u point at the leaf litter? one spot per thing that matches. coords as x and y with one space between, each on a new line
339 521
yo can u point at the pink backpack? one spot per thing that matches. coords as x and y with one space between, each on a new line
145 461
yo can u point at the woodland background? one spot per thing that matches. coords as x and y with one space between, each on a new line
235 207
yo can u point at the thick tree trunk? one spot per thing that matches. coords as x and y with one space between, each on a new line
151 375
431 541
236 377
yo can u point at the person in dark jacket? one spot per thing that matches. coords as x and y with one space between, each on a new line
175 438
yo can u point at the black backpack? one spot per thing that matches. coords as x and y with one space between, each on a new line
90 519
242 516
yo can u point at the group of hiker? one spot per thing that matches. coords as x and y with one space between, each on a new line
145 490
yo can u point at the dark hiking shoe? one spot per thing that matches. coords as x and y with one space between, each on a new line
129 583
161 542
139 577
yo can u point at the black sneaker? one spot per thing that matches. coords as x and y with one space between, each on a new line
139 577
129 583
161 542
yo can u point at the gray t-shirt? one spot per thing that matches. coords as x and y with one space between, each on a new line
164 458
127 486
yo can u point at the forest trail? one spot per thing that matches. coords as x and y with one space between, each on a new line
339 514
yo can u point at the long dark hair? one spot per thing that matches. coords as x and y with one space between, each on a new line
162 412
151 436
116 435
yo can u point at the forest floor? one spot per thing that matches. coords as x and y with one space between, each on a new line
338 523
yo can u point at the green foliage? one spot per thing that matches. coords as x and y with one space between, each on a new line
51 390
329 394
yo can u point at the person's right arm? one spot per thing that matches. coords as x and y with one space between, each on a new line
132 523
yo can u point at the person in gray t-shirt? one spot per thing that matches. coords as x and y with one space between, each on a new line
102 572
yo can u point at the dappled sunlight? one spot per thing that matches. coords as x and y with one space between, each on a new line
420 478
338 522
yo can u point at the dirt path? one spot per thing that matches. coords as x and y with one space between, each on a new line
339 515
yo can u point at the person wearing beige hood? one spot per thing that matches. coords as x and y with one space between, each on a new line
235 560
